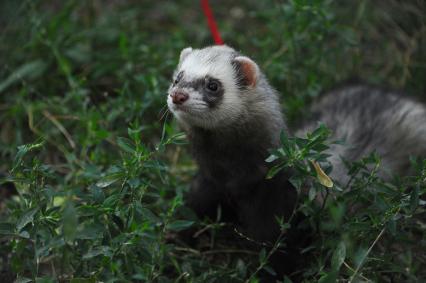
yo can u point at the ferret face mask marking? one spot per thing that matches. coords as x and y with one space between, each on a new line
207 88
210 90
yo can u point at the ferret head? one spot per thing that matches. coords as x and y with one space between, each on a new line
211 86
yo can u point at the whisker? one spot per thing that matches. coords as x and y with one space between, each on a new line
162 110
165 114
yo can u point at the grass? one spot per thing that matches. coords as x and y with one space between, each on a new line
100 171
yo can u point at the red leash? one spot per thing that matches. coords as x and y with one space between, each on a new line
211 22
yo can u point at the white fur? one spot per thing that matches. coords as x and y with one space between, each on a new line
185 52
215 62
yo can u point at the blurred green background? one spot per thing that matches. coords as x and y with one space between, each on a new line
84 82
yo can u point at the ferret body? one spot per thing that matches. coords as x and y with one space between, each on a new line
232 117
370 119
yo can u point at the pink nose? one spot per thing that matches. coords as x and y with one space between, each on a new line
179 97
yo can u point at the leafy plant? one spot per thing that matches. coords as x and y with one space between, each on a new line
349 220
100 168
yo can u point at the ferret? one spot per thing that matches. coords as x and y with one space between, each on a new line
233 116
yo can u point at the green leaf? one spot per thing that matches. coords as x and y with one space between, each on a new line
24 234
339 256
321 130
179 139
69 221
26 218
312 193
271 158
30 70
328 278
101 250
108 180
97 194
23 150
50 246
22 280
284 139
274 170
148 214
414 198
180 225
111 201
90 232
134 182
126 145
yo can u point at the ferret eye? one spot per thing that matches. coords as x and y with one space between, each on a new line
178 78
212 86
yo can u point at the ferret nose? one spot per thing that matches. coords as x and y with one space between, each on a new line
179 97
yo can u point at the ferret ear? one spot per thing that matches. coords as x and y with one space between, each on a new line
247 71
185 52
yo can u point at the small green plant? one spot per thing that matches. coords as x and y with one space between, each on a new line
356 215
105 224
